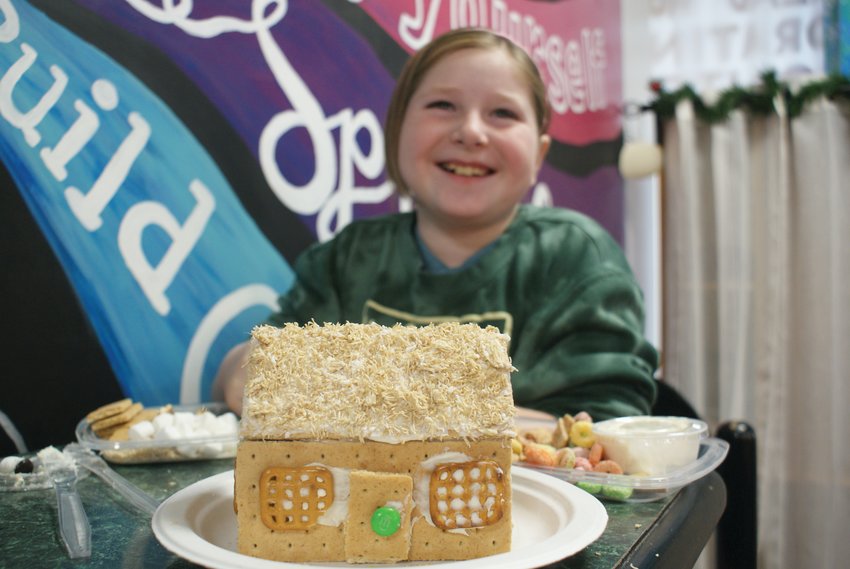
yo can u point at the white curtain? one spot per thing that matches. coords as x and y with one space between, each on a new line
756 288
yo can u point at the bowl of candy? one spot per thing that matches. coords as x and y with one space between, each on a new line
630 459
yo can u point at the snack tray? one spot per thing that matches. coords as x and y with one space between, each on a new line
162 450
626 488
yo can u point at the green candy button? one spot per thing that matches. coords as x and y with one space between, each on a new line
386 521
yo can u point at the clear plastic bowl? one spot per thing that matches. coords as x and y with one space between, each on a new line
651 446
626 488
708 455
162 450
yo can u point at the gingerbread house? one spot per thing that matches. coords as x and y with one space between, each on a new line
364 443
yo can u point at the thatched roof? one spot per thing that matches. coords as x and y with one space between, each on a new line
370 382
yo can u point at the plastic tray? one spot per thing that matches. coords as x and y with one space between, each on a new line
626 488
147 451
38 479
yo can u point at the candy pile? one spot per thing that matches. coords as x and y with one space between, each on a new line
571 444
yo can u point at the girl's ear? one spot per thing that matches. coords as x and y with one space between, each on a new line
542 149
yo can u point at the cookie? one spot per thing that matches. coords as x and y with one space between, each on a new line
105 427
121 432
109 410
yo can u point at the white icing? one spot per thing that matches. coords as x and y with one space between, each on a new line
338 511
422 483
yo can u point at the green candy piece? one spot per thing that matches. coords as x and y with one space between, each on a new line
386 521
590 487
617 492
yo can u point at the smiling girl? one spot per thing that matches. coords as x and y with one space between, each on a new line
465 139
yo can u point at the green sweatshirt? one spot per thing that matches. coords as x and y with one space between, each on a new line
555 282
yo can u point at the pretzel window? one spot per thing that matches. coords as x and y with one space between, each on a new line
467 494
295 498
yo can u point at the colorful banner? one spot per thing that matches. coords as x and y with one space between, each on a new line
178 156
576 46
165 261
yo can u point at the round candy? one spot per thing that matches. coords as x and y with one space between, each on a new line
386 521
581 434
25 466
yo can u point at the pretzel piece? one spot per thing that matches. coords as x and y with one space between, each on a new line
467 494
295 498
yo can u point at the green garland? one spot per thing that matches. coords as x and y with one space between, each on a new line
758 100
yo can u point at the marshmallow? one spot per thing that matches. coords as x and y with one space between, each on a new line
226 424
184 420
8 464
141 431
184 427
163 420
169 433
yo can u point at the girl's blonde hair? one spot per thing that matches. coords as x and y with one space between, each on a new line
422 61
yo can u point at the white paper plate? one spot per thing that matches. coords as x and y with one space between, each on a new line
552 520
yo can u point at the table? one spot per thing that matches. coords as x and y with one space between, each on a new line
668 533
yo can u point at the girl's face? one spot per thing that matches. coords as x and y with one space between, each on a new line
469 147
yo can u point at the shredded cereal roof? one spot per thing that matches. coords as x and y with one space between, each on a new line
366 381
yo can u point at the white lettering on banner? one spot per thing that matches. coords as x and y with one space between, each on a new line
307 113
156 280
81 131
330 192
422 21
87 208
11 26
27 122
209 329
573 70
337 212
541 195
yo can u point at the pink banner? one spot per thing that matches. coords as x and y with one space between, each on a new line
575 43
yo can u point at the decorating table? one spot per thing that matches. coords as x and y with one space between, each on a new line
667 533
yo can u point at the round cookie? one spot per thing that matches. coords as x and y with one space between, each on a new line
109 410
105 427
121 432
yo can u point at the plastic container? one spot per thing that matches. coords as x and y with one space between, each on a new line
39 478
630 488
708 454
651 446
162 449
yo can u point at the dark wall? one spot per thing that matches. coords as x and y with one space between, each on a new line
54 370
